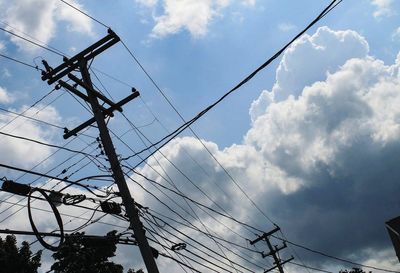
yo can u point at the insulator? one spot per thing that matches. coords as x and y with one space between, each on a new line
179 246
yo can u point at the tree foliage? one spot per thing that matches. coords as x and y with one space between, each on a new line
17 260
81 254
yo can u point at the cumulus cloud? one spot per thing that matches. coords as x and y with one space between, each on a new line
383 8
39 19
323 52
22 153
5 97
191 15
320 161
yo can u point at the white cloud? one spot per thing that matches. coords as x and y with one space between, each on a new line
188 14
321 53
39 19
286 27
396 34
191 15
22 153
5 97
383 8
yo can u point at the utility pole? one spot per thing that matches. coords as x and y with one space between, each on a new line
80 61
273 250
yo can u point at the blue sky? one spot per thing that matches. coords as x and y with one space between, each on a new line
313 139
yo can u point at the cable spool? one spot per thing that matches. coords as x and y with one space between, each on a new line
56 214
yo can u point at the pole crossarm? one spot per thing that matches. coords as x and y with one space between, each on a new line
273 250
106 112
265 235
279 266
53 75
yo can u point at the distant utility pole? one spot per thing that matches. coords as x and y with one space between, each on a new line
80 62
273 250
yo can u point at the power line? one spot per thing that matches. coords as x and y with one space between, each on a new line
55 167
179 262
32 42
65 214
152 231
30 36
39 121
197 242
87 187
335 258
84 13
310 267
20 62
30 107
46 144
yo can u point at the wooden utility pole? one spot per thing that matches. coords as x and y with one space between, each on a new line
273 250
80 61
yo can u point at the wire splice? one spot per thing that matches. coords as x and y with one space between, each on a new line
16 188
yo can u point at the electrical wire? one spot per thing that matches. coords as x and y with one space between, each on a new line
66 215
310 267
39 121
45 144
153 232
48 181
55 178
333 257
84 13
56 214
20 62
30 107
199 243
30 41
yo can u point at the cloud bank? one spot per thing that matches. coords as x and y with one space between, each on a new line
321 156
